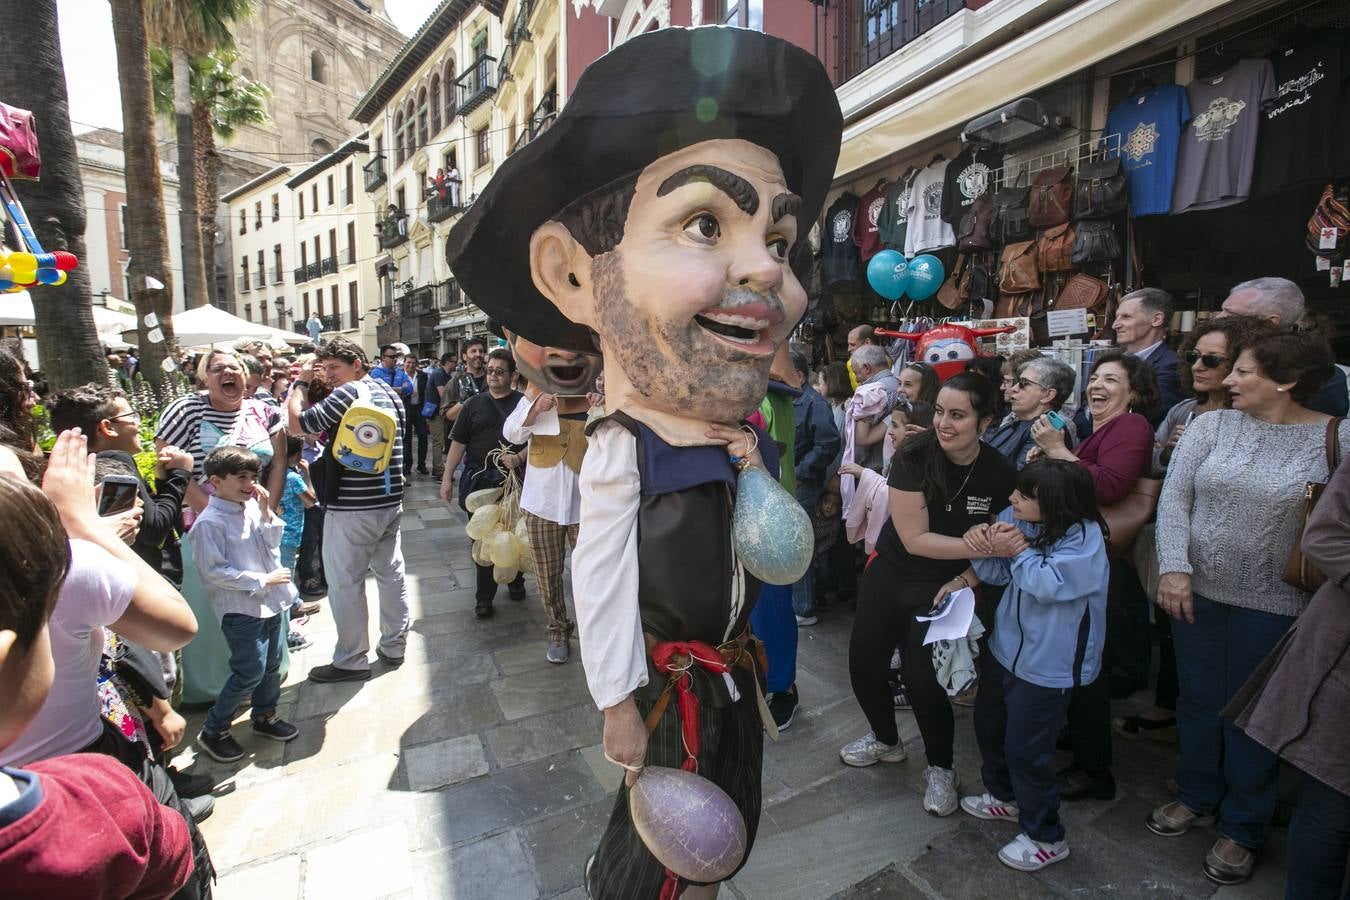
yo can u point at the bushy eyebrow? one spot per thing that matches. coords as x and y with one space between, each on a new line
784 205
740 191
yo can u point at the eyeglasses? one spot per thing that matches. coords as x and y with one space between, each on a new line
133 416
493 371
220 370
1024 383
1210 360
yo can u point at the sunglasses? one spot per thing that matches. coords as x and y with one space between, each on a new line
1210 360
1024 383
492 371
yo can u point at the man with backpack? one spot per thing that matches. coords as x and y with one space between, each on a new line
363 500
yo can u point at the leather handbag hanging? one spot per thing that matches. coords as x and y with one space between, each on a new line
1099 189
952 294
1054 248
1010 225
1298 571
1082 292
972 232
1095 241
1126 517
1017 272
1051 197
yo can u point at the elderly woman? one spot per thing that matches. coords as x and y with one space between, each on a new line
1040 386
1117 454
199 423
1227 521
1012 365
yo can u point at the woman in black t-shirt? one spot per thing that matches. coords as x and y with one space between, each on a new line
943 482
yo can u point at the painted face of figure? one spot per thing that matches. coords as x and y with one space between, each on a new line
553 370
695 300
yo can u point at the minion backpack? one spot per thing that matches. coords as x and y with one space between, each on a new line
364 441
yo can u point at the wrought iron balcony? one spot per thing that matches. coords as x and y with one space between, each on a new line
260 280
312 271
375 173
878 28
417 302
328 265
520 31
346 196
392 232
448 295
245 283
439 210
332 322
477 84
540 120
278 275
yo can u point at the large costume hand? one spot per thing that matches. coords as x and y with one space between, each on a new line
625 738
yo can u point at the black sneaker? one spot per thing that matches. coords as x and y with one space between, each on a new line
483 609
394 661
296 641
276 728
188 785
200 808
783 707
328 674
220 747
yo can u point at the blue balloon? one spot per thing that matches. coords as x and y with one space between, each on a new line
925 277
888 273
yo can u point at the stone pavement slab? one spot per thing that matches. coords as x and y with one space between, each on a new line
475 771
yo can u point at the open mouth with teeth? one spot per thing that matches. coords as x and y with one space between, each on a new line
566 375
746 331
231 384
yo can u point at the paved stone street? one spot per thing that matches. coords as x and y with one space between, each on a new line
475 771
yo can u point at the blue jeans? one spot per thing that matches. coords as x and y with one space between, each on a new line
804 589
1016 725
1221 769
289 552
255 665
1319 838
773 623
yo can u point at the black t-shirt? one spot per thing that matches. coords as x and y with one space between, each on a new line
968 176
985 495
1297 140
839 255
479 424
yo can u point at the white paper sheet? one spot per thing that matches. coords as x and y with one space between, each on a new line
955 621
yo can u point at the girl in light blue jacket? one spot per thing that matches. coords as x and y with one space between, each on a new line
1049 548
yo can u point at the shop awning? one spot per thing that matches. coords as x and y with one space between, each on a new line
1080 37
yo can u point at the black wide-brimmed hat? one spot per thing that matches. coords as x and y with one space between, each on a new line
648 97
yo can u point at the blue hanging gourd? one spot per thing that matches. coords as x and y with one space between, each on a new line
770 530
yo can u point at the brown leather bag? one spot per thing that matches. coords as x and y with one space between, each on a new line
1017 272
956 285
1082 292
1298 571
1126 517
1054 249
1051 198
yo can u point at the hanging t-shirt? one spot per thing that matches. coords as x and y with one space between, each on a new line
1149 125
968 176
866 233
894 218
1218 147
925 229
1298 127
839 255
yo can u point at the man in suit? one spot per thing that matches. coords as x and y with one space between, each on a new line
1141 329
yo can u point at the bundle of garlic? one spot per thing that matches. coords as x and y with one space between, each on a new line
497 527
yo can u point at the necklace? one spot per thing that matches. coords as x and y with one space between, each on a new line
963 485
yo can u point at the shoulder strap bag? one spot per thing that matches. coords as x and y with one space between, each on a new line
1051 198
1126 517
1298 571
1010 223
1099 189
1054 248
1017 270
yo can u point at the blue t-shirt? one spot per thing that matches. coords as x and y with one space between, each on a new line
1150 125
292 509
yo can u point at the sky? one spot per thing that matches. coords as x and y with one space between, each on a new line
91 59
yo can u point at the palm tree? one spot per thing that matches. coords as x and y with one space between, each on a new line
64 318
222 102
191 28
147 232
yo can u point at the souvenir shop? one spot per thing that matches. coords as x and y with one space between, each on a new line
1189 164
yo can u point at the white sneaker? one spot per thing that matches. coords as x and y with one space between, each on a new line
940 797
1026 855
868 751
986 806
804 621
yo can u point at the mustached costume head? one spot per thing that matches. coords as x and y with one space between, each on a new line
655 219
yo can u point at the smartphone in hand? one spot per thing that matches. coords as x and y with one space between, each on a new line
1055 419
117 494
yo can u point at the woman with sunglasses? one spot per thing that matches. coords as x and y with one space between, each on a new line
1209 355
1228 518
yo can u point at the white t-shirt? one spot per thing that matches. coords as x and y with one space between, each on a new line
926 230
97 591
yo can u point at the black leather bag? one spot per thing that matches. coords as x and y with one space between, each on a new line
1099 189
1095 241
1010 225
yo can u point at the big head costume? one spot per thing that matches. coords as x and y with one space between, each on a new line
655 219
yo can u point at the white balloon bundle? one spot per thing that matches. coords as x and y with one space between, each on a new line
497 527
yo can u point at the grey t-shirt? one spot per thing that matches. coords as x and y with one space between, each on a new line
1218 147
